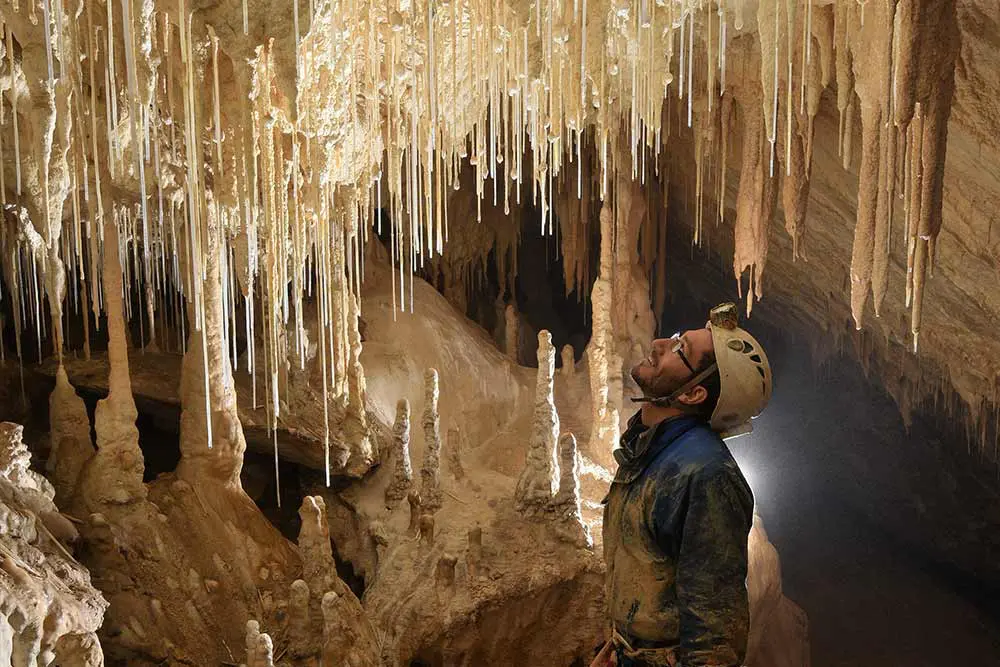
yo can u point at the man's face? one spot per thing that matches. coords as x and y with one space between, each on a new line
664 370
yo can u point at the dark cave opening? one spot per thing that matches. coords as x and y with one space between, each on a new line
542 299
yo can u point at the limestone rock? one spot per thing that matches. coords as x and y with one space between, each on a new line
430 471
49 610
70 437
538 482
402 474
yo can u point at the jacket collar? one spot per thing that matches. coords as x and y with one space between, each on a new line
640 444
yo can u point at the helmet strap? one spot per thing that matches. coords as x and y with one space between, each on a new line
671 398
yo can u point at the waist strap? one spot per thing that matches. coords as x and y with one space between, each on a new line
645 651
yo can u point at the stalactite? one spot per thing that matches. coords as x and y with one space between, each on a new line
845 75
795 187
754 207
873 82
391 102
928 45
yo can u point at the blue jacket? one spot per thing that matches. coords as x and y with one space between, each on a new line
676 522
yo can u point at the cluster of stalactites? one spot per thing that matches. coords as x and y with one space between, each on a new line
385 98
111 124
900 62
147 116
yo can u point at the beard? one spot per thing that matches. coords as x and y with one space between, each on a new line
654 383
636 374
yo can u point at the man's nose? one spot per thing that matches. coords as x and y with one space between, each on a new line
661 344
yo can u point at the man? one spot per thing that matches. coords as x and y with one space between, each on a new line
679 510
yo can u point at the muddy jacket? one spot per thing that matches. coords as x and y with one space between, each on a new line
676 522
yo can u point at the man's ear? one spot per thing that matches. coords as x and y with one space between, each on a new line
696 395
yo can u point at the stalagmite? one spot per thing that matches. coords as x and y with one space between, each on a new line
538 481
49 610
601 437
402 475
337 642
511 333
427 530
299 630
413 499
318 566
212 440
566 503
569 476
69 434
568 360
454 454
430 471
444 573
113 476
260 653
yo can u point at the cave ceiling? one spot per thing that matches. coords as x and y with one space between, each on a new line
841 155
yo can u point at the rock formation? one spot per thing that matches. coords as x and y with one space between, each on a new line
49 610
568 360
252 209
70 437
538 482
402 473
566 503
511 332
453 454
430 471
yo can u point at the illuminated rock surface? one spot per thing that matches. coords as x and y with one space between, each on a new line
232 217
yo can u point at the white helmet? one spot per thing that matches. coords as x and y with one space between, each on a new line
744 374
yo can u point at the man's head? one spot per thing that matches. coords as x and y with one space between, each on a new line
674 361
719 373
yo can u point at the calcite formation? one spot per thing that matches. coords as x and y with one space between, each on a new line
252 198
430 471
354 115
323 620
49 609
538 482
402 473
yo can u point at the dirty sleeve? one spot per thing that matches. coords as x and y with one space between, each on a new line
712 596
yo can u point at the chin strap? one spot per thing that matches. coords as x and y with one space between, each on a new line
667 401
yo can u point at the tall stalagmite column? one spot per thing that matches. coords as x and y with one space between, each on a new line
539 478
402 472
430 472
114 474
207 387
601 342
